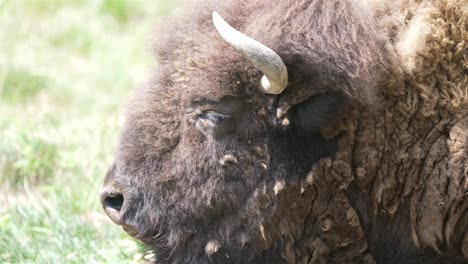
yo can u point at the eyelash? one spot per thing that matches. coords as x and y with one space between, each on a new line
213 116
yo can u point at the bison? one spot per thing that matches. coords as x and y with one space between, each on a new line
300 131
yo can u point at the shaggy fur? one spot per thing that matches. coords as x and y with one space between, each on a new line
363 158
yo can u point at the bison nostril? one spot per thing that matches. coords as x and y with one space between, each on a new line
113 201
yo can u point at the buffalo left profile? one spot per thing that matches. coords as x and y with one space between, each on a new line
325 132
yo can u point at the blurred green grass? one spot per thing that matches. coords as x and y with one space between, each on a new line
66 71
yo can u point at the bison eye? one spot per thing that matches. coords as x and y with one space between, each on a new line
213 116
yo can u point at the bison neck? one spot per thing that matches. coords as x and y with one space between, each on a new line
410 169
395 190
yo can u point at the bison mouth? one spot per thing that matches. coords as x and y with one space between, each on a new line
131 230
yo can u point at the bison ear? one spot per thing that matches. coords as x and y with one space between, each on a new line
317 112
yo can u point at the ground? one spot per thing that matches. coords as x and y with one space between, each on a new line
67 69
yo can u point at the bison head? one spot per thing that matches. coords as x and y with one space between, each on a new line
209 144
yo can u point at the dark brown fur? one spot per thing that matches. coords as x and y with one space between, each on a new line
297 192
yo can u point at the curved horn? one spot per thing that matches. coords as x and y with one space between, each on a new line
263 58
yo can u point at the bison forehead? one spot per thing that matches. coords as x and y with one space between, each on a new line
336 50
